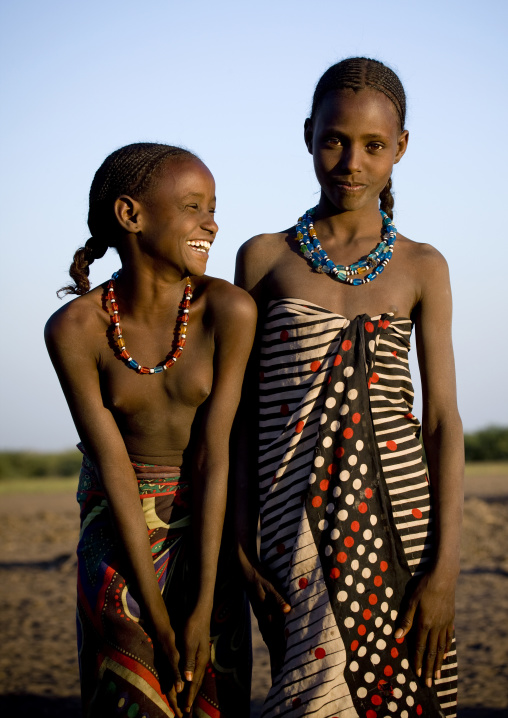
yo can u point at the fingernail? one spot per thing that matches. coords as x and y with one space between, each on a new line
398 633
188 675
429 682
286 608
445 656
419 672
438 674
179 687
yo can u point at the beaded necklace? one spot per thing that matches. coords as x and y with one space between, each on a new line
180 334
374 263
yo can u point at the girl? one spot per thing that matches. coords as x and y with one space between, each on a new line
354 592
153 485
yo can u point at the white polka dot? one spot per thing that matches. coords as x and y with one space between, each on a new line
373 519
312 478
342 596
334 535
387 629
372 557
350 499
360 549
393 615
355 564
328 550
369 677
352 394
397 693
381 644
319 461
329 508
348 580
404 714
361 692
330 402
410 700
335 426
355 606
359 446
404 663
343 409
327 441
342 515
372 345
370 637
349 371
378 622
375 659
362 651
366 572
353 666
392 706
389 592
344 475
401 678
360 588
337 491
339 387
413 686
349 622
322 421
357 484
384 607
323 525
352 460
378 542
367 534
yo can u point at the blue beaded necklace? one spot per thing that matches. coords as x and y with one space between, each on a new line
374 263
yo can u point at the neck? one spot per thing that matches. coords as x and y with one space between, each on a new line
145 291
346 225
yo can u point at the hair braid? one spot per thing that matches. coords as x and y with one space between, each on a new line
129 170
386 200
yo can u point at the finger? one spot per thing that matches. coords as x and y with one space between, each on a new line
430 657
450 635
420 647
273 596
202 661
405 621
441 648
173 703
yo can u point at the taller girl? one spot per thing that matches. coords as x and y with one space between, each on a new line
362 547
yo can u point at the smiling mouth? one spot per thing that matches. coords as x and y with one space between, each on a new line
350 187
199 245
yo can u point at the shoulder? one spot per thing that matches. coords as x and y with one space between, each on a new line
76 319
426 262
225 300
257 257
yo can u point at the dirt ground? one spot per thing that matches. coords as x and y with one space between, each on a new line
38 665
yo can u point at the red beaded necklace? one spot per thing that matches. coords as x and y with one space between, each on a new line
180 334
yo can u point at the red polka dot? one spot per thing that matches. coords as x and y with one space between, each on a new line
339 453
386 324
356 418
362 508
355 526
371 714
408 416
297 702
369 327
391 445
375 378
281 548
417 513
372 599
303 582
299 427
366 614
346 345
317 501
334 573
394 353
119 610
337 360
394 652
383 566
376 700
378 580
315 365
348 433
419 709
368 493
332 469
284 335
354 645
400 640
284 409
320 652
362 630
380 323
388 671
324 485
342 557
349 541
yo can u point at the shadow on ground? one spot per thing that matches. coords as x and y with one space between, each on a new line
28 706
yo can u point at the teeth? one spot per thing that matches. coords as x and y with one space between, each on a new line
201 245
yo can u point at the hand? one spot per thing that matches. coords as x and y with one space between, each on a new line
167 659
195 656
429 612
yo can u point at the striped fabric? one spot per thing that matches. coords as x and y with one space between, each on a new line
299 348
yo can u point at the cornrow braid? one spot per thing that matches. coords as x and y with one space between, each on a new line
130 170
360 73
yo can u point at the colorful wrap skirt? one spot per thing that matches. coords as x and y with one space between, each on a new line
119 667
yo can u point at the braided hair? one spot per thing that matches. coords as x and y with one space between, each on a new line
129 170
360 73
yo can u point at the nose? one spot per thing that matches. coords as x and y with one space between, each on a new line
209 224
350 159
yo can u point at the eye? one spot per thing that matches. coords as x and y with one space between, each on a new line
375 146
333 141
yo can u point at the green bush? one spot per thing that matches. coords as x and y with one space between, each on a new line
490 444
26 464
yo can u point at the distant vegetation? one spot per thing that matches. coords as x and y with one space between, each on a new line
490 444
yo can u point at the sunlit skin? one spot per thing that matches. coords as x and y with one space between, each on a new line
162 239
355 140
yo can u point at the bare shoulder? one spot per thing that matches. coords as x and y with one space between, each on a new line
257 256
227 301
427 268
76 319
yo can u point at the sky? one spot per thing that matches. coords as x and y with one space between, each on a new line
233 82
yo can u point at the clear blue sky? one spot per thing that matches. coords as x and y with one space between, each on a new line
233 82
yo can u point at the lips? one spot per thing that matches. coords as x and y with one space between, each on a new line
350 186
199 245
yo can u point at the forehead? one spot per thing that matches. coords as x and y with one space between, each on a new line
180 176
368 110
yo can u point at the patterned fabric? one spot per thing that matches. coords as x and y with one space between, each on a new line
346 516
119 669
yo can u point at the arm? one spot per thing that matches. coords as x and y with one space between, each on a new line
432 605
234 318
66 337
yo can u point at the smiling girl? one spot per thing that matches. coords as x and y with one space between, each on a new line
155 434
354 588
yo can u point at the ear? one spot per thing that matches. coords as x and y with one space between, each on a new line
401 146
126 213
308 133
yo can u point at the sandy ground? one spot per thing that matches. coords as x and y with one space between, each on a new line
38 666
